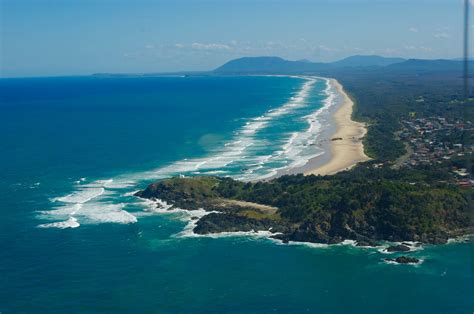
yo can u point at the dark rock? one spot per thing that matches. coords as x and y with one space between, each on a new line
404 260
228 222
398 248
434 238
416 244
307 232
280 228
366 243
335 240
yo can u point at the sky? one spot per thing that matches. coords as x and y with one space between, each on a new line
81 37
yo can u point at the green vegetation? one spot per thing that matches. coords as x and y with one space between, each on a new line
183 192
375 203
383 98
364 204
371 202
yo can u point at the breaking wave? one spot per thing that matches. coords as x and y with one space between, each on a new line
259 149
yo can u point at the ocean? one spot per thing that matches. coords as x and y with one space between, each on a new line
74 238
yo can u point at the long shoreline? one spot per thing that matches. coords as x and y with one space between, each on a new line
346 147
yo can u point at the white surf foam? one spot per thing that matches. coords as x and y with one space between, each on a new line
81 196
461 239
131 193
119 184
70 223
89 204
420 261
91 200
296 149
105 212
305 244
158 206
236 149
98 183
300 147
66 210
121 217
192 218
188 233
414 246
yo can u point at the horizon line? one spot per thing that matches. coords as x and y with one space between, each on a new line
184 72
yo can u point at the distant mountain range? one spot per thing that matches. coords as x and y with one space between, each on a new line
274 65
364 61
349 65
268 65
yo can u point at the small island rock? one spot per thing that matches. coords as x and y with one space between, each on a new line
398 248
404 260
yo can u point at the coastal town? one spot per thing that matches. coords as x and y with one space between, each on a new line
437 140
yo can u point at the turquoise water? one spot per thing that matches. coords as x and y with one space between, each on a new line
74 240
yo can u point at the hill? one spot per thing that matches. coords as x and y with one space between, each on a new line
268 65
363 61
276 65
280 65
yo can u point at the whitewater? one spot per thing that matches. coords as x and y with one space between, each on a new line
258 150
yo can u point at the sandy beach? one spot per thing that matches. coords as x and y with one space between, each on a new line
346 144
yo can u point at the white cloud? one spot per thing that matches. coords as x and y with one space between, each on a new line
130 55
418 48
442 35
326 48
212 46
390 51
413 29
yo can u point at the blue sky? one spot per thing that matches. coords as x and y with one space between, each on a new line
66 37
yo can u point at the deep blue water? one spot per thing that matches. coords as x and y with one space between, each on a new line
71 150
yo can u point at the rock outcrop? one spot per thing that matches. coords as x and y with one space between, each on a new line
404 260
398 248
287 208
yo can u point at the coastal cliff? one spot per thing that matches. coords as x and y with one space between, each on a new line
329 209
